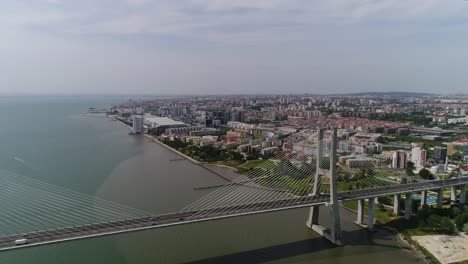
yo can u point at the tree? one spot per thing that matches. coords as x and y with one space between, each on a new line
404 180
370 172
461 220
234 155
409 168
426 174
457 156
325 163
252 156
424 212
440 224
346 176
361 174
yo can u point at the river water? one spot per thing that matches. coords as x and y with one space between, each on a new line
49 139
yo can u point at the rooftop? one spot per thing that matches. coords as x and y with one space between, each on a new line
162 121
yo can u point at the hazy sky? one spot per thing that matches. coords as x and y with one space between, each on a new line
233 46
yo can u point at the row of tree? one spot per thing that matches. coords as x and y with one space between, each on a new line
212 154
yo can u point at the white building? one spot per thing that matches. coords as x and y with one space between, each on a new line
456 120
343 146
418 157
162 123
269 150
137 124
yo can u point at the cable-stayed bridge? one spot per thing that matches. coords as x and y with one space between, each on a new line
38 213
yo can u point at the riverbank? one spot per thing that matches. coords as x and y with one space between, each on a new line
399 238
172 149
206 166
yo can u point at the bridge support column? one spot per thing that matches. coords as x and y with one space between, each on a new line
360 212
396 204
335 208
423 198
462 194
440 198
313 216
370 214
408 206
453 195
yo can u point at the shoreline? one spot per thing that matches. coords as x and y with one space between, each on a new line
195 162
153 139
402 241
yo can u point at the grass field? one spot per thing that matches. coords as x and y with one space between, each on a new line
264 164
383 174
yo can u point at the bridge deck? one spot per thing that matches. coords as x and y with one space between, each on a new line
149 222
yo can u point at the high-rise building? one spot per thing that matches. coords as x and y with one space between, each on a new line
343 146
224 117
399 159
137 124
450 149
241 116
440 154
418 157
234 117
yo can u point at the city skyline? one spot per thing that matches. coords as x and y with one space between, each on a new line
220 47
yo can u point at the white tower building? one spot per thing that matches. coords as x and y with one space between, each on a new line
137 124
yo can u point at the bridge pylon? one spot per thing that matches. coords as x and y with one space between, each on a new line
315 210
334 232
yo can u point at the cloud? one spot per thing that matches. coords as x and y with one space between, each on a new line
205 17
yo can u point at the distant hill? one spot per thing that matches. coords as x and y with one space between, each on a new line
395 94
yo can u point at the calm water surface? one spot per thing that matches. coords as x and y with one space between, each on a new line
57 144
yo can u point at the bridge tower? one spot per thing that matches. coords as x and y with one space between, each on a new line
314 210
334 233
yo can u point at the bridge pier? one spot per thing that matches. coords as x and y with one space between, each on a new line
408 206
453 195
462 194
369 224
440 198
423 198
313 216
396 204
360 212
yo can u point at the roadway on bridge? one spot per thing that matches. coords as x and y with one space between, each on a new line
149 222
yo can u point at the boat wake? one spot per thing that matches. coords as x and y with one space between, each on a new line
18 159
